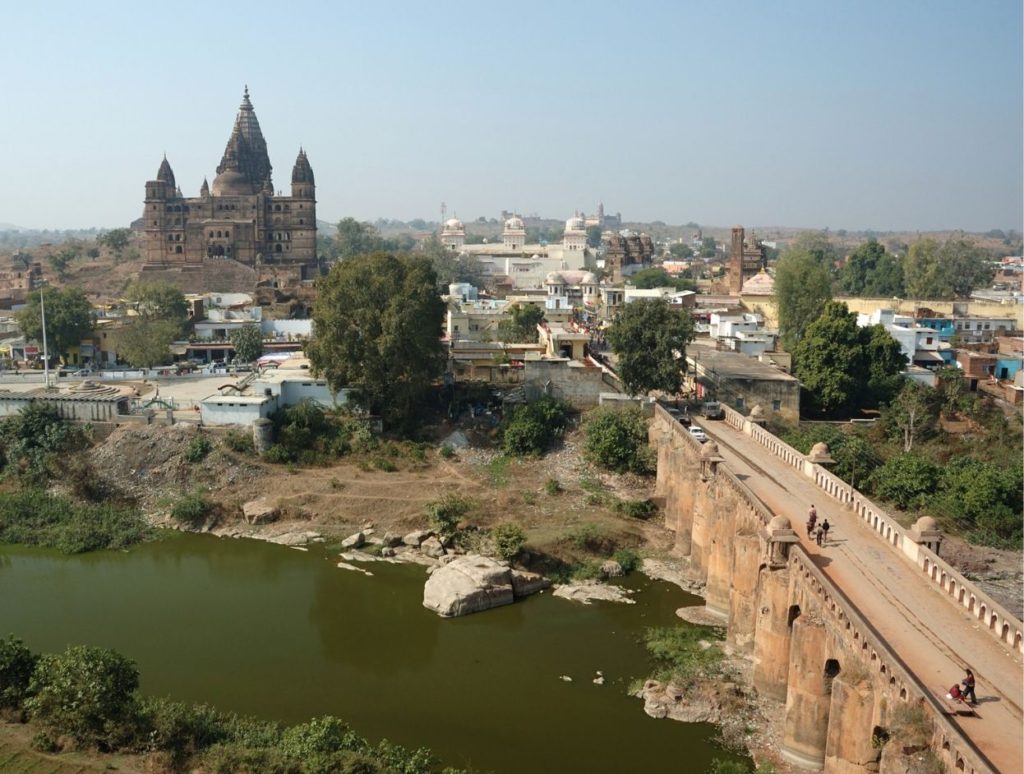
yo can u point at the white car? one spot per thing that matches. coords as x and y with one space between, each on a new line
698 433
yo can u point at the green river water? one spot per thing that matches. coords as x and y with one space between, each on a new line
265 630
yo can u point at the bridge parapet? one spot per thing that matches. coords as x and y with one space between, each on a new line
960 753
994 618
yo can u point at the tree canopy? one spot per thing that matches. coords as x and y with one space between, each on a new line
803 285
449 265
647 336
159 300
248 343
161 317
521 324
843 367
657 277
681 250
68 318
949 270
377 326
871 271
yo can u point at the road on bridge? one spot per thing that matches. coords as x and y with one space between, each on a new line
935 637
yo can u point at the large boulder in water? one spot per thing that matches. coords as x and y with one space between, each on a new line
467 585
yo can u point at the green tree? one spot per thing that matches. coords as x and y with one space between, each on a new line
871 271
35 439
509 540
17 663
657 277
617 439
803 285
446 514
842 366
950 270
983 499
649 338
451 266
913 415
354 238
68 318
61 259
87 693
158 300
116 239
248 343
681 251
378 330
532 428
906 480
521 324
145 343
708 248
593 237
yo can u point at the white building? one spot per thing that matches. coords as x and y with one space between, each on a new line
574 240
453 234
513 237
236 409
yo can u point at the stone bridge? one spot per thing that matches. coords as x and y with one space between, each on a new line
849 634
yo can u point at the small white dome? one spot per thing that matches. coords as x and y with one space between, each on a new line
589 279
554 278
575 223
453 224
515 223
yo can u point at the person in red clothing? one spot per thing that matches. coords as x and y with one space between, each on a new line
968 684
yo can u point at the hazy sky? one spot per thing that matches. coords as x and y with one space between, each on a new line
858 114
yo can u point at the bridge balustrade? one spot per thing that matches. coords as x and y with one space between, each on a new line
995 618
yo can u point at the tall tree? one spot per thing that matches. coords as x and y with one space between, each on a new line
158 300
649 338
593 237
681 250
377 326
803 285
914 414
355 238
145 342
843 367
68 318
521 324
116 239
858 277
449 265
248 343
950 270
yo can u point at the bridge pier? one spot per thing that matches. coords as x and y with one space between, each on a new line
743 591
772 634
849 748
719 556
808 698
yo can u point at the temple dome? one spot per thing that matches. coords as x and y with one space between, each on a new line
926 524
575 223
779 522
230 182
453 224
515 223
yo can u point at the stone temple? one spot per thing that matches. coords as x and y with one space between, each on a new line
238 218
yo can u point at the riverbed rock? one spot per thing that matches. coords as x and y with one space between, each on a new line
467 585
416 537
612 569
432 547
525 583
260 511
387 552
354 541
588 591
391 540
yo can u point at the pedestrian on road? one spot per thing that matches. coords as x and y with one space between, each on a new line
812 515
818 533
825 527
810 528
968 684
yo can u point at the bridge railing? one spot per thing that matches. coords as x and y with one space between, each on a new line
993 617
964 754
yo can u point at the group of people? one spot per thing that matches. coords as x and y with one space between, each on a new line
818 531
820 534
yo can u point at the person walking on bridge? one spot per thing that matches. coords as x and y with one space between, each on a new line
968 683
812 519
825 527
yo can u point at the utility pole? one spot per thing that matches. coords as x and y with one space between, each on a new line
46 354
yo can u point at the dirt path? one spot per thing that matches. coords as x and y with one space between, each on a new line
934 637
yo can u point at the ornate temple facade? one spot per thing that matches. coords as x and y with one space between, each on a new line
239 217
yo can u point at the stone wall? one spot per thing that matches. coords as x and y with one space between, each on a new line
569 380
811 649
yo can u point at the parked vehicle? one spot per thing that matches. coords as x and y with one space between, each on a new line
698 433
712 409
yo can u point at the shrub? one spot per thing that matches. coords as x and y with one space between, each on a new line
552 486
16 666
906 480
628 559
532 428
446 513
278 455
182 729
33 440
681 651
197 449
636 509
191 510
616 439
509 539
589 537
34 517
86 693
383 463
447 451
239 441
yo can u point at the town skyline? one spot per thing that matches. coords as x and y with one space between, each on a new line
806 117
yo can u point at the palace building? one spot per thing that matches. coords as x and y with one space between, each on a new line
239 217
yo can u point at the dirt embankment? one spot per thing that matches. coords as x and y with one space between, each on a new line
549 497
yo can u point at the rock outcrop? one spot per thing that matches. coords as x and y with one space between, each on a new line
471 583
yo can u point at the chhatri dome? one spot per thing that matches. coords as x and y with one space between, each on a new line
514 235
453 234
